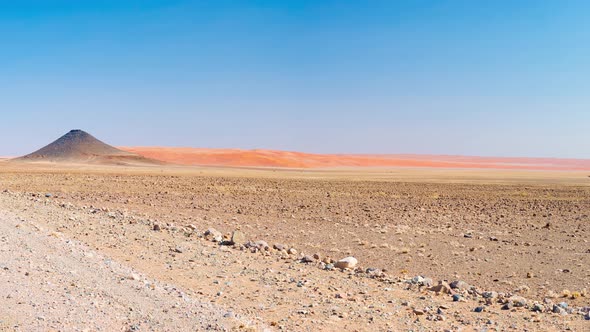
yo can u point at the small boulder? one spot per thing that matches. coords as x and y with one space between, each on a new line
537 307
443 287
214 235
307 259
346 263
238 237
417 280
558 310
374 272
262 245
460 285
518 301
489 295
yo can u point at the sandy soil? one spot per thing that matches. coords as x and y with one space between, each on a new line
516 233
50 282
273 158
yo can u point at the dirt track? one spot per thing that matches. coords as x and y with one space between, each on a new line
50 282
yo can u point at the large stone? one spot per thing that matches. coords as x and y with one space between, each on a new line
537 307
346 263
214 235
489 295
307 259
442 287
418 280
518 301
558 310
238 237
428 282
280 247
262 245
459 284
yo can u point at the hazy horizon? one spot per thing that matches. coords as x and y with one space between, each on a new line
306 152
501 79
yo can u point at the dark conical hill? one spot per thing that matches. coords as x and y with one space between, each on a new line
79 146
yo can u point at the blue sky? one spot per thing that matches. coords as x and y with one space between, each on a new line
499 78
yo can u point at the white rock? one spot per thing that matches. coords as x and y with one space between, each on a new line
346 263
214 235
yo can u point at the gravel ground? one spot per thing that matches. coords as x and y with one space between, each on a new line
125 249
174 282
52 283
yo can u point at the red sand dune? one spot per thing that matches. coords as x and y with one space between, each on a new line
271 158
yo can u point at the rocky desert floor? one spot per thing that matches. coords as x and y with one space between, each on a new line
151 249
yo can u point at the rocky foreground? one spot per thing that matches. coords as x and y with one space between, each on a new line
71 267
50 282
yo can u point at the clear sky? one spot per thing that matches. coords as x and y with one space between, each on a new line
499 78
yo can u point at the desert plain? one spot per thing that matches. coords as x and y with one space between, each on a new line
167 248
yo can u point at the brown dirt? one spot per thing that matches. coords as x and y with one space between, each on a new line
486 228
52 283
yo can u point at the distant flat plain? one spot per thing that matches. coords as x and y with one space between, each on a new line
395 174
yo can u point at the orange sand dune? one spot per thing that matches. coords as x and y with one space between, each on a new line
272 158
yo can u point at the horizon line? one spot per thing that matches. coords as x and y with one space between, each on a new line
350 153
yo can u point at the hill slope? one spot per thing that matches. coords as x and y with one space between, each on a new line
79 146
